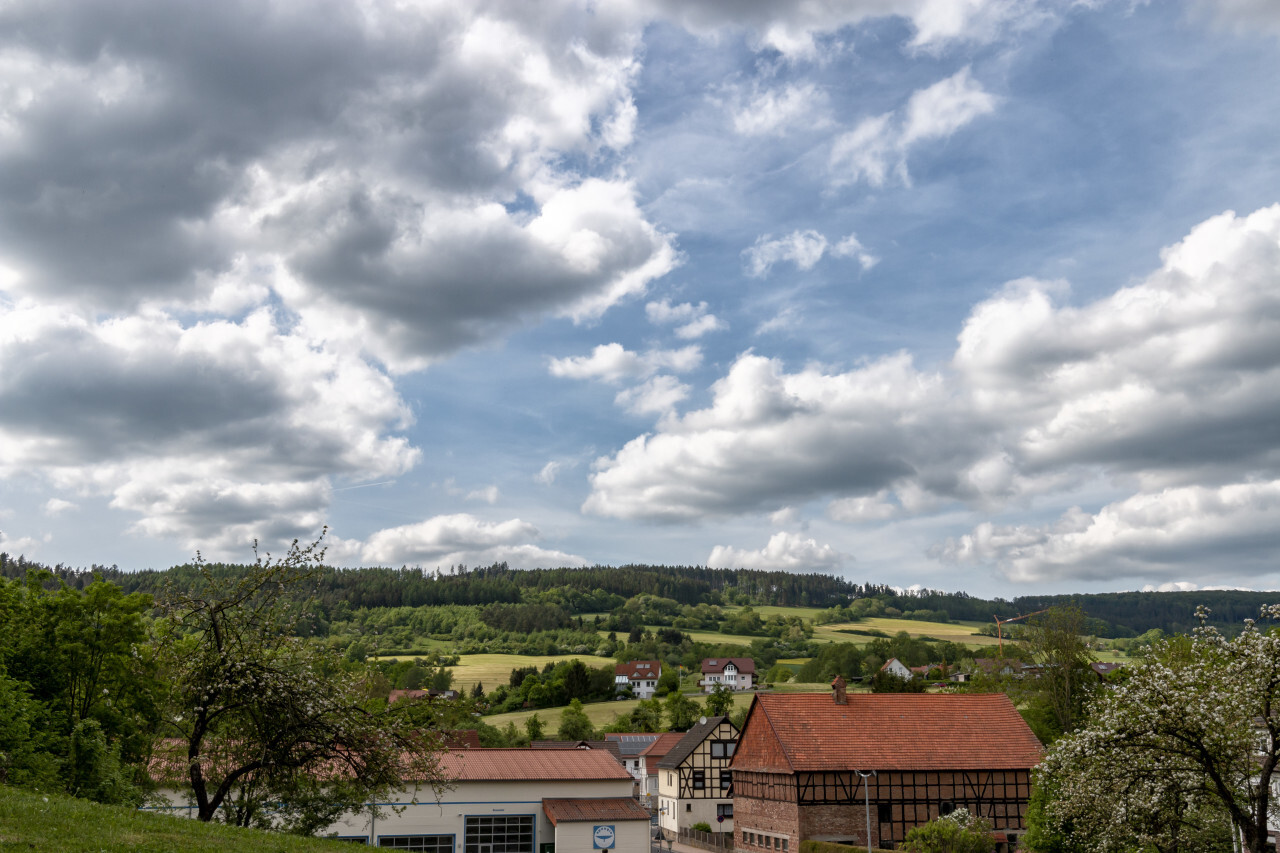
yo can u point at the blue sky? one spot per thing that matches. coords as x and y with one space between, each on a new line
977 295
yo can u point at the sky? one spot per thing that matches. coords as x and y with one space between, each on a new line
976 295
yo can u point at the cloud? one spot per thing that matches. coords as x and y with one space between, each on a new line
57 506
613 363
802 248
1245 16
786 552
488 494
212 434
409 179
879 146
17 546
851 247
692 321
776 111
659 395
1157 535
1168 388
548 474
462 539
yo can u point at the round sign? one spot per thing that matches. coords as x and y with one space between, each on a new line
603 837
719 818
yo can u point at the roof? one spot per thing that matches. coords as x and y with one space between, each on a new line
634 669
718 664
892 731
611 808
631 744
541 765
606 745
461 738
1105 667
691 739
657 750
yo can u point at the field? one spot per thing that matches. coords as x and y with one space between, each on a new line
600 713
54 824
492 670
955 632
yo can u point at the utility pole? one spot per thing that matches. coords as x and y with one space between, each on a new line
866 798
1001 622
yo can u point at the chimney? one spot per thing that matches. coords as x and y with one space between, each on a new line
839 695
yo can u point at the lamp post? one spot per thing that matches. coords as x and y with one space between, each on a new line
866 798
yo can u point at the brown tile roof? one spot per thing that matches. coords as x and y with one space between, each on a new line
542 765
639 669
608 746
655 751
461 738
718 664
690 740
894 731
631 744
613 808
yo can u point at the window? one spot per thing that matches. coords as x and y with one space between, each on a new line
784 845
422 843
699 780
353 839
726 780
724 810
688 807
500 834
723 748
884 812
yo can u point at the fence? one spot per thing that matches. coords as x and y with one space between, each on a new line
706 840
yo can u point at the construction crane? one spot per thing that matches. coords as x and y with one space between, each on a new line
1000 622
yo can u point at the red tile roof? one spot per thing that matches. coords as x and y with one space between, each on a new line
660 747
613 808
639 669
542 765
891 731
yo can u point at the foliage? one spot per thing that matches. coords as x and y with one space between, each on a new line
533 727
1178 751
885 681
958 832
719 701
808 846
1056 696
701 826
262 716
682 712
574 724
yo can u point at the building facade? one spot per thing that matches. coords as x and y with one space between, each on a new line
812 766
639 675
694 781
732 673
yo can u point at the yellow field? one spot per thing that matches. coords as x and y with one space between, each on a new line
600 713
955 632
492 670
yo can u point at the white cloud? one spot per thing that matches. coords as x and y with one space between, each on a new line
462 539
1157 535
802 248
57 506
1244 16
659 395
879 146
786 552
548 474
851 247
776 111
692 321
613 363
488 494
18 546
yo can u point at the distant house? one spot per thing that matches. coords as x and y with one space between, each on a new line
397 695
694 783
893 666
640 675
996 666
649 759
733 673
1104 669
631 745
810 766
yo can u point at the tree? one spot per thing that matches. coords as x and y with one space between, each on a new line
1057 694
719 701
533 726
1184 746
682 712
958 832
260 715
574 723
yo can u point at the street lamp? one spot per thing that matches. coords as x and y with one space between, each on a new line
866 798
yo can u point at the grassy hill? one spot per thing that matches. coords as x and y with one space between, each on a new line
34 822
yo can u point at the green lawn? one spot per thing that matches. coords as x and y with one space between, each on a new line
32 822
492 670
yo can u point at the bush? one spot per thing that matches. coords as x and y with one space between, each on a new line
701 826
828 847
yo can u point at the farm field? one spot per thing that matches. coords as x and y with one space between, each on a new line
492 670
955 632
600 713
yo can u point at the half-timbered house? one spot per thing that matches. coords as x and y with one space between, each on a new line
812 766
694 782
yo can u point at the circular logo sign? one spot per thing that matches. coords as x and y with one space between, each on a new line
603 836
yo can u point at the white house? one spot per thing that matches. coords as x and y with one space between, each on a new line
510 800
649 759
893 666
733 673
640 675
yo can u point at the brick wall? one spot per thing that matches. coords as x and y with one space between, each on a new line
838 823
758 747
768 816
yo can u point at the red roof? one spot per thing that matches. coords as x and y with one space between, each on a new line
543 765
612 808
660 747
890 731
639 669
718 664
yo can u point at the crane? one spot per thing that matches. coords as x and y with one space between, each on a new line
1000 622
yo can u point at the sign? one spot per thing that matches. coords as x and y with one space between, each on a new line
602 837
719 818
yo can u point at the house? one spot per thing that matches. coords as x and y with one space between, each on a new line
1104 668
893 666
639 675
513 800
649 759
811 766
733 673
694 783
631 745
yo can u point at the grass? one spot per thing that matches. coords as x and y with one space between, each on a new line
492 670
955 632
600 713
35 822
